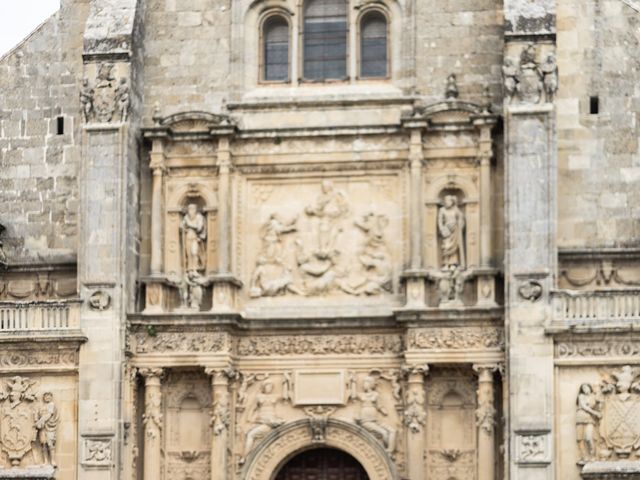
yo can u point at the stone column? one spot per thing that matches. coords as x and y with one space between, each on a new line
152 419
157 168
414 419
485 420
220 421
224 205
415 278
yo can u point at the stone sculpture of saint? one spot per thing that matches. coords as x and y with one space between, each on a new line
329 208
587 415
47 424
370 412
194 234
451 225
266 418
123 99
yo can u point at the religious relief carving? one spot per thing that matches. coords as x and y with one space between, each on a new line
26 424
527 80
317 266
371 413
265 418
105 99
608 417
451 226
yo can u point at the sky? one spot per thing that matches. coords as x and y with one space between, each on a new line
18 18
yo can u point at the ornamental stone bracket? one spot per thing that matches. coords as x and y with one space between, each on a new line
283 442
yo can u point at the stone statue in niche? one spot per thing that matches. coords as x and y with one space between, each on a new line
271 276
122 99
451 225
25 425
370 412
608 417
587 415
265 415
194 234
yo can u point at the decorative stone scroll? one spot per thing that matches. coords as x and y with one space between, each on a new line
27 424
608 417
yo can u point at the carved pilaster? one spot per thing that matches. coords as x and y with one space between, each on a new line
485 420
220 421
414 419
152 419
157 167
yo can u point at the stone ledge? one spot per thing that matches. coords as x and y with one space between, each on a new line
624 469
43 472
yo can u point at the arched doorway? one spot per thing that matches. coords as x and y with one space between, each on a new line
322 464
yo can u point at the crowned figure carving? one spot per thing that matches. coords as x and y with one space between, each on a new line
608 417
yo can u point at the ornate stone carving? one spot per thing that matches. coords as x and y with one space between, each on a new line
318 419
370 412
604 274
106 97
99 300
456 338
122 99
374 257
265 415
450 285
14 359
98 452
608 417
527 80
530 290
486 412
104 93
25 424
414 409
532 447
451 91
319 345
609 347
152 416
187 342
86 100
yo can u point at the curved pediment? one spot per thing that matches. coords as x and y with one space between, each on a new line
194 121
452 112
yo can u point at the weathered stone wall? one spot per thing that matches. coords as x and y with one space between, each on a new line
38 187
186 58
598 154
465 38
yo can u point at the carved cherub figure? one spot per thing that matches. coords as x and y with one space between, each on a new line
370 412
266 418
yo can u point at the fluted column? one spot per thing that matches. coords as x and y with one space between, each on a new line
485 420
415 418
224 189
220 421
157 168
152 419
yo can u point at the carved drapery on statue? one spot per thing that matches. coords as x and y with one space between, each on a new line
319 266
608 417
28 425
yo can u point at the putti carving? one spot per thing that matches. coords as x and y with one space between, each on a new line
608 417
370 414
527 80
266 418
25 424
318 269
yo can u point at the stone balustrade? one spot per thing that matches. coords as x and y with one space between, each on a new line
596 307
39 316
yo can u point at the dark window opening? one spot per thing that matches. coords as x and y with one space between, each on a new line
325 40
373 46
60 125
276 49
594 105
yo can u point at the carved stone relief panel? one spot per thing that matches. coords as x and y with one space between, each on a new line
312 238
451 424
466 338
37 429
150 341
599 274
38 285
532 76
105 93
187 423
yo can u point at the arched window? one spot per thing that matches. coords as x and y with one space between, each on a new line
325 39
373 46
275 35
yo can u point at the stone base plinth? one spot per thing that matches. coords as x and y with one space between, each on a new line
44 472
622 469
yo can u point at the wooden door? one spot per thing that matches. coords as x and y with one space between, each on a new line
322 464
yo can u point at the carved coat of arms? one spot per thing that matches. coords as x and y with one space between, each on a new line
18 423
104 93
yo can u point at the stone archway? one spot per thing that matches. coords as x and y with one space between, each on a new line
322 464
285 442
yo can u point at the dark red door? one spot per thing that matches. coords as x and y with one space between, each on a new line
322 464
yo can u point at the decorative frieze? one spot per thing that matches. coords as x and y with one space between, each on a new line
628 347
456 338
186 342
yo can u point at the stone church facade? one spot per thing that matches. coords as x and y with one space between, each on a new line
321 239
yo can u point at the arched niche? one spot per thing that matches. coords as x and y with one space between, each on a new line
465 190
176 205
321 463
285 442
